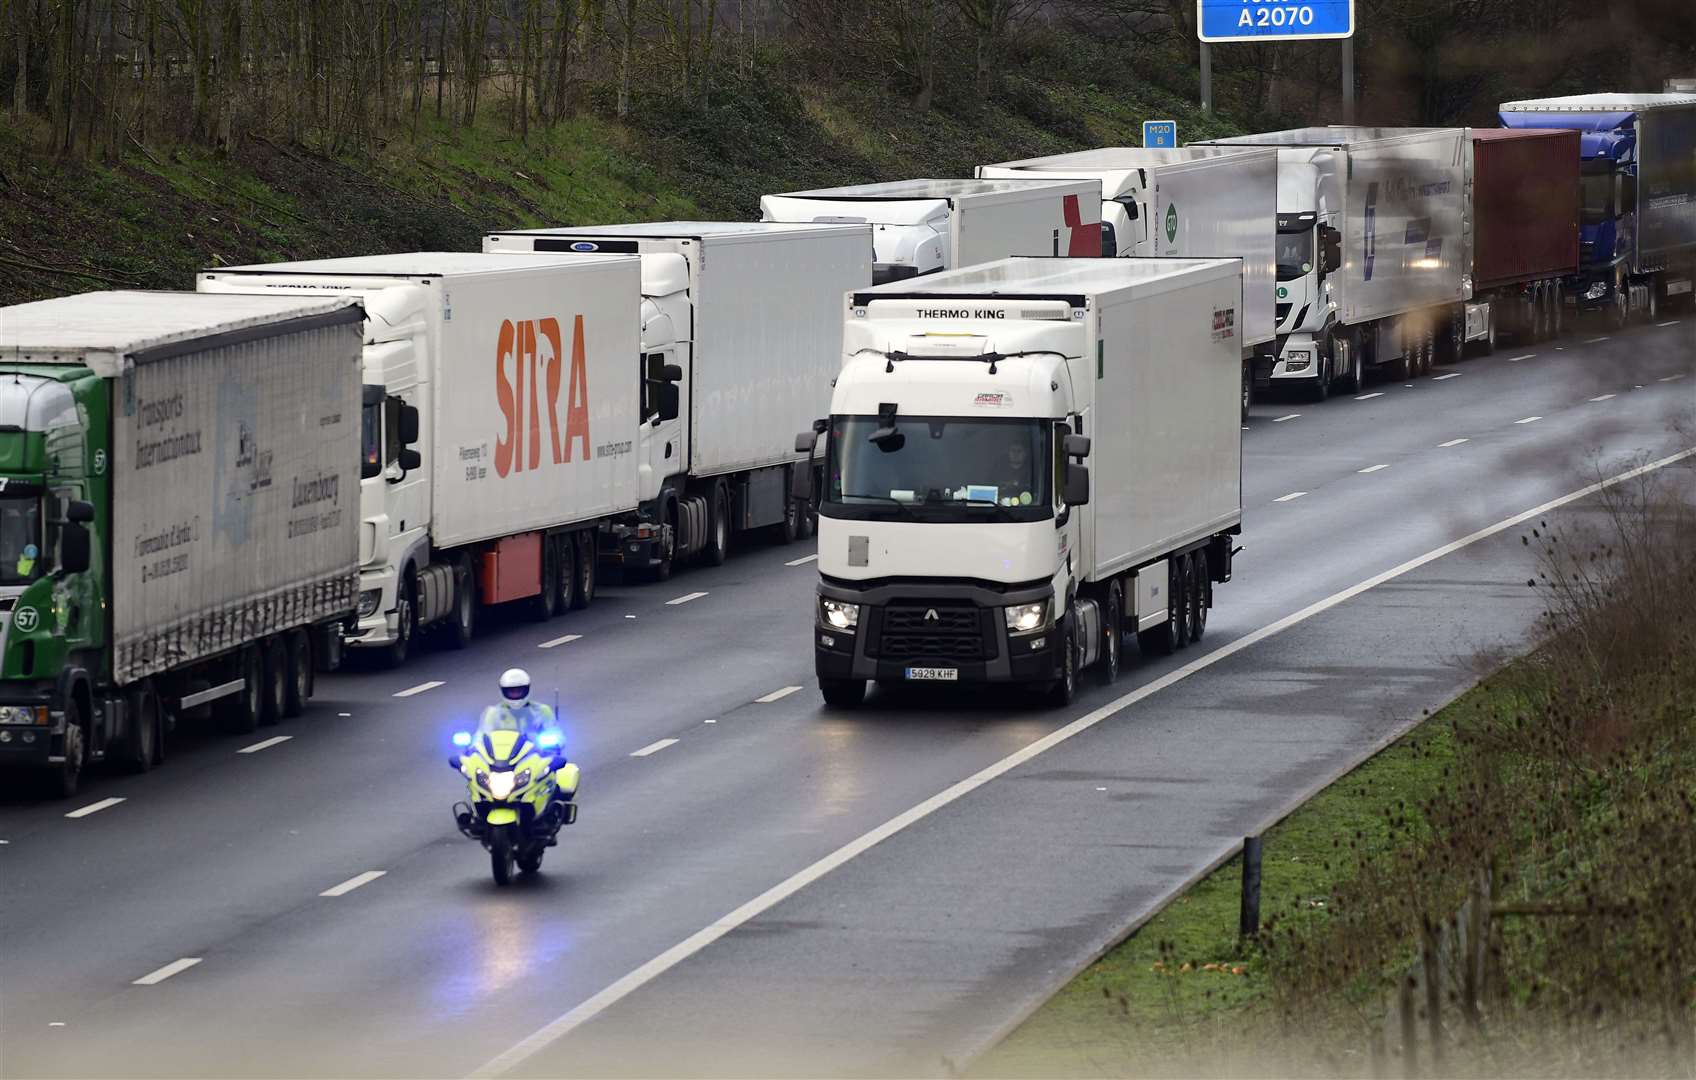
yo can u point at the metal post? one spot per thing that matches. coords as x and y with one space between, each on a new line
1348 80
1206 78
1248 922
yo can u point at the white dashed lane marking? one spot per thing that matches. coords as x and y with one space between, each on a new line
1369 397
173 968
1281 419
653 748
776 695
803 560
1529 420
414 691
685 598
566 639
353 883
1450 375
265 744
1601 397
1291 497
94 808
1373 468
1451 442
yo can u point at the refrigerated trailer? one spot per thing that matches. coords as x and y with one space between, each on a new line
1637 244
961 537
744 321
922 226
1189 202
501 408
1374 250
177 521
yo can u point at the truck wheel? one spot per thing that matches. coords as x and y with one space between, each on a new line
843 693
585 555
1112 627
1653 313
462 627
1454 345
788 530
406 614
63 783
1248 388
1321 388
1065 688
545 604
298 689
141 749
275 657
1490 334
1203 593
1187 595
718 528
239 713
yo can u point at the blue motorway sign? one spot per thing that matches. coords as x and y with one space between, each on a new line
1273 20
1160 133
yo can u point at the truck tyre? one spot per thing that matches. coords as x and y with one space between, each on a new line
1454 343
1112 629
275 657
668 546
63 783
789 529
1490 334
585 557
1653 312
1187 595
1321 388
545 604
1354 371
1248 388
1065 688
141 749
298 689
406 616
239 713
1203 594
843 693
462 627
718 528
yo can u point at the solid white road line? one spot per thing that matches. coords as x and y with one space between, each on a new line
803 560
353 883
653 748
173 968
1601 397
94 808
1281 419
1670 322
1369 397
1529 420
700 939
1450 375
1373 468
1517 359
566 639
1451 442
265 744
1291 497
685 598
776 695
1594 340
414 691
1672 378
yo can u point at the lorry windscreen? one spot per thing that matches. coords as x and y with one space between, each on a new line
940 468
1295 254
21 556
1597 187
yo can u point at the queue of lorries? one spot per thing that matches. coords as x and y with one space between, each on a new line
1009 405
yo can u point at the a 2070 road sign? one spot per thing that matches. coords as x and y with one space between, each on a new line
1273 20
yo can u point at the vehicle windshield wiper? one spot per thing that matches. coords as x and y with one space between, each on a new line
890 499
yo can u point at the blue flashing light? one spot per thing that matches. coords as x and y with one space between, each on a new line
462 738
547 740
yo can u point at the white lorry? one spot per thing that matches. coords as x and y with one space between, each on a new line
744 320
177 526
501 408
1190 202
922 226
961 539
1374 250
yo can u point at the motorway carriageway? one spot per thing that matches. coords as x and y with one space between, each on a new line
760 885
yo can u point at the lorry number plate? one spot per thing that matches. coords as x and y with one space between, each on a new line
933 674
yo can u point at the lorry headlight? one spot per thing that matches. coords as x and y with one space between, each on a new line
23 714
368 601
1297 360
1596 291
1023 618
839 614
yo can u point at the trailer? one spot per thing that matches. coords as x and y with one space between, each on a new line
1637 244
1374 250
742 322
177 519
1190 202
922 226
501 412
961 536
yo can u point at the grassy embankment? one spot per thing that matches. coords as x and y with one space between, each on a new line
1571 774
155 217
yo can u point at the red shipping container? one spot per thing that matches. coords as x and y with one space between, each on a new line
1525 200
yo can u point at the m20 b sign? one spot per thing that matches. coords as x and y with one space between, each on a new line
1273 20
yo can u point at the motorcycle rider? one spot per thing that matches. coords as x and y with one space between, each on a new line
516 712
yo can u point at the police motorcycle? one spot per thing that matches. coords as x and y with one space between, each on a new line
521 794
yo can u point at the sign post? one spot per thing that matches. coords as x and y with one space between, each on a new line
1160 134
1220 21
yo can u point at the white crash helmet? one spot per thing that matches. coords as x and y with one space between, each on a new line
515 687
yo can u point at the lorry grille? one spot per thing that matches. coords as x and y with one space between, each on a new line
939 631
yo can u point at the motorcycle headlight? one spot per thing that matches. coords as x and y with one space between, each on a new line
1023 618
500 784
839 614
522 780
482 778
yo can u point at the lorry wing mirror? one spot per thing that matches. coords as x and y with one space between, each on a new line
670 403
801 482
1331 249
75 552
672 373
1077 446
82 513
410 459
806 442
1077 485
408 425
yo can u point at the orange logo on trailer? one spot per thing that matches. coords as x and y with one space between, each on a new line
528 373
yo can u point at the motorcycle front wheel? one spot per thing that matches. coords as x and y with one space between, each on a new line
502 856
